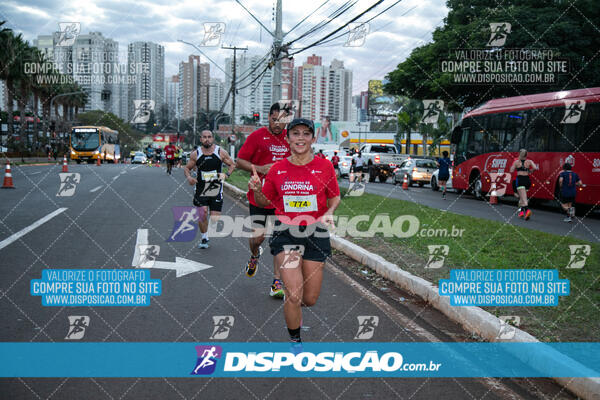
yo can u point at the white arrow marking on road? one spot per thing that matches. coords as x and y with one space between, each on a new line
182 266
25 231
95 189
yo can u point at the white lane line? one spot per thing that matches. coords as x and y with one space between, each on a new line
137 166
95 189
35 173
115 178
25 231
123 171
142 238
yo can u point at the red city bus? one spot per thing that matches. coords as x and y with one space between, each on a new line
554 127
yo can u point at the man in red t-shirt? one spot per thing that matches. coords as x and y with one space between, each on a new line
335 160
261 150
170 151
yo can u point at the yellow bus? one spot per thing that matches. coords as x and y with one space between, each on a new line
89 143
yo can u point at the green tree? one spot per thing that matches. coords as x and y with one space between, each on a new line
570 28
408 121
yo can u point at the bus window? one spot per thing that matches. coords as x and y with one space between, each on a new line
589 138
494 141
564 135
461 146
538 132
475 146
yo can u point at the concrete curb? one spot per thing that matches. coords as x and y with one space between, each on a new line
234 191
473 319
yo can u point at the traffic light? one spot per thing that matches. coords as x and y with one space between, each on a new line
256 117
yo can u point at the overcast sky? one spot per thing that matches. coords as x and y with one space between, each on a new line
392 35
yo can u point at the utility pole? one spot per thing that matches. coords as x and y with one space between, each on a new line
277 41
233 90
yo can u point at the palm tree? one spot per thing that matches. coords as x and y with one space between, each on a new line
408 120
10 69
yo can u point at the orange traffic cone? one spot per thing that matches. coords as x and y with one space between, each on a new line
98 163
65 167
8 183
493 194
405 183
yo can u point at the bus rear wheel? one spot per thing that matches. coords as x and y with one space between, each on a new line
475 187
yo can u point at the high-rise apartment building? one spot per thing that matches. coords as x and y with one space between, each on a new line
171 95
324 91
146 69
194 81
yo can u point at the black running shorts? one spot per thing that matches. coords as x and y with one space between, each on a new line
521 180
213 203
259 215
315 240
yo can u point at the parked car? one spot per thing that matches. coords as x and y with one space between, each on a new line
434 181
139 158
344 165
380 160
418 170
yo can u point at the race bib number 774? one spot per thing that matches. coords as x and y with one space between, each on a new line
300 203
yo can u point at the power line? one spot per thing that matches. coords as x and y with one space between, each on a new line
316 43
337 13
252 15
369 20
307 17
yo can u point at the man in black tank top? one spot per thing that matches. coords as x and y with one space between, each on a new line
208 161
